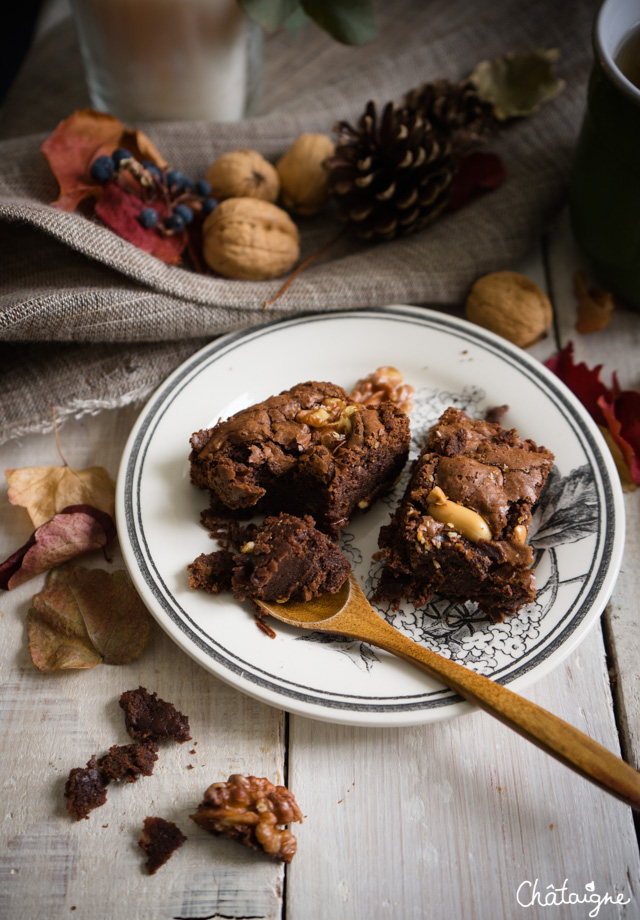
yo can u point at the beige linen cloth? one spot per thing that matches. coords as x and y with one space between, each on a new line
88 321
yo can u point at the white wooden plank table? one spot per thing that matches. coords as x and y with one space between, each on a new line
450 820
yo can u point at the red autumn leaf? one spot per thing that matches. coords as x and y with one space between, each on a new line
479 172
622 415
617 410
583 382
78 140
119 209
76 530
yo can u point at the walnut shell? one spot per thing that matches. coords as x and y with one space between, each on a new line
303 175
243 174
511 305
250 239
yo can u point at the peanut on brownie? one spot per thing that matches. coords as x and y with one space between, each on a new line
461 527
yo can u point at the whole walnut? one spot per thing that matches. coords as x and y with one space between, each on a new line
303 175
511 305
249 239
243 174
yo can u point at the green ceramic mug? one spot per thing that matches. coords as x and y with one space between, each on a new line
605 181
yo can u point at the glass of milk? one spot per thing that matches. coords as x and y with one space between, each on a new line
170 60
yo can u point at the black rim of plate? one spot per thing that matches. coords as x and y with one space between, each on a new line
238 671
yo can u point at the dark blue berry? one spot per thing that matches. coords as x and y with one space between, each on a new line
185 212
121 154
148 218
203 188
186 184
174 222
174 178
209 205
152 168
102 169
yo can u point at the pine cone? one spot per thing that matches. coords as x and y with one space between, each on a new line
390 175
454 109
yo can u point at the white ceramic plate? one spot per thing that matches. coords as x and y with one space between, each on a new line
577 533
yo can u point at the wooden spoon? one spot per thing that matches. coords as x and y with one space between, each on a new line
348 613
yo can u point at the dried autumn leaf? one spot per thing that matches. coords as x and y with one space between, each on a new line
85 616
78 140
595 306
77 530
583 382
120 209
618 410
628 485
46 490
479 172
517 84
621 410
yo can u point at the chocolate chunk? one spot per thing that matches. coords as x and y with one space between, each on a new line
148 717
159 839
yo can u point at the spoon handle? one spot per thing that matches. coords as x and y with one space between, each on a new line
555 736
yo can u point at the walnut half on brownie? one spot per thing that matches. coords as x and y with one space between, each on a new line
310 450
461 527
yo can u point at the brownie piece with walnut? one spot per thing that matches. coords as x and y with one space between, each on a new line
286 558
310 450
461 527
251 810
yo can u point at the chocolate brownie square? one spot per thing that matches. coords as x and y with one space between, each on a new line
461 527
310 450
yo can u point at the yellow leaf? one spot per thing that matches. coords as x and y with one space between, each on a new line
47 490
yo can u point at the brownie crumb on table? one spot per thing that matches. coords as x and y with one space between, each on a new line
129 761
461 527
249 809
85 790
147 717
159 839
309 450
286 558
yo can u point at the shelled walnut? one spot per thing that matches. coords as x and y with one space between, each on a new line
386 384
250 809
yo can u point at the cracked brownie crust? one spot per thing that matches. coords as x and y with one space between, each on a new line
310 450
461 527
